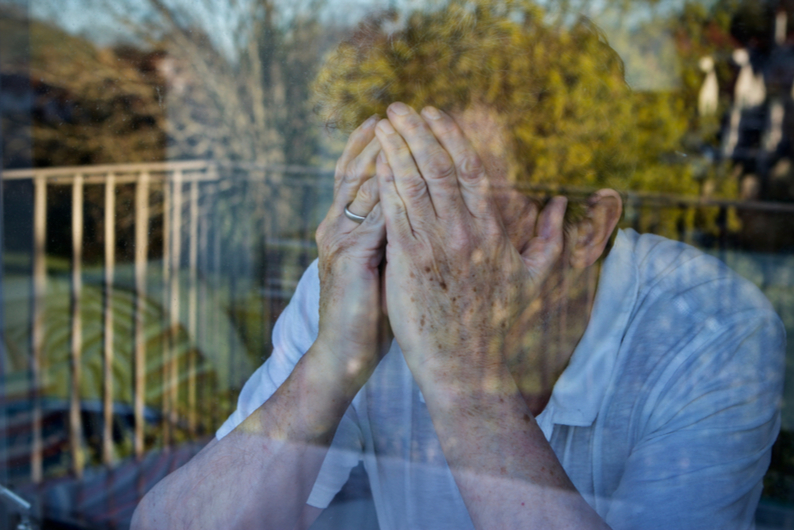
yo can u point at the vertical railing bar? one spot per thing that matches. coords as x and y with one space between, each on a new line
39 288
192 260
232 272
274 230
202 332
141 251
75 422
216 285
176 253
110 264
167 206
262 225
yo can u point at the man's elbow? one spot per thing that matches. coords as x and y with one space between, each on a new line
150 513
138 521
142 516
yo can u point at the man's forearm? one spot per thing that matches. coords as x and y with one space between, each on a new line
261 474
503 465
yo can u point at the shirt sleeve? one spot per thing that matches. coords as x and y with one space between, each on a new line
344 453
294 333
706 446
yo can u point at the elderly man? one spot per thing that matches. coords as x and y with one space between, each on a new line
512 396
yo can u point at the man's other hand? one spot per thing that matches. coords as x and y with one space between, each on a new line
350 254
455 283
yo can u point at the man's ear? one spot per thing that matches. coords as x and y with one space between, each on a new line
590 236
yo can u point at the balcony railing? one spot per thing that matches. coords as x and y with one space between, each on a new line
185 227
218 223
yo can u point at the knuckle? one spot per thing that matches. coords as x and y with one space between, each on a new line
440 166
370 188
373 219
401 150
460 240
350 175
446 125
328 248
339 168
362 167
366 194
354 172
414 188
471 166
391 140
415 124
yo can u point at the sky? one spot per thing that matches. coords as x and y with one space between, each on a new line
94 19
89 18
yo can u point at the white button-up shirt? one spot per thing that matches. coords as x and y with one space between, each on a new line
663 418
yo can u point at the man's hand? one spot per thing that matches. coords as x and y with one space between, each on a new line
350 254
455 289
456 285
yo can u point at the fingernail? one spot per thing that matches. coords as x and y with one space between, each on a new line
546 229
370 122
386 127
558 203
432 113
399 108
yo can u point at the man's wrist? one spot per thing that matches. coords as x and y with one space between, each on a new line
348 367
465 381
310 403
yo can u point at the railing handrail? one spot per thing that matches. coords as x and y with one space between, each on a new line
196 170
157 167
56 171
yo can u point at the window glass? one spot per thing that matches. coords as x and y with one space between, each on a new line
167 163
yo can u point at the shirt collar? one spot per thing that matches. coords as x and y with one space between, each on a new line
578 393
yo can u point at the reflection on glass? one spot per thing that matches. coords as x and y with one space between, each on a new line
167 164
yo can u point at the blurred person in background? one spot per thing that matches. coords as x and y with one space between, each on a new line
495 361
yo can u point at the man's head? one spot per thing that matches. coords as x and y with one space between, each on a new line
538 101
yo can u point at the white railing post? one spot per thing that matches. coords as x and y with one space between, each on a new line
110 265
192 281
166 337
37 339
141 251
215 282
75 422
176 253
202 329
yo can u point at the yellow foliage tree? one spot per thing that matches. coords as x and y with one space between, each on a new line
558 87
